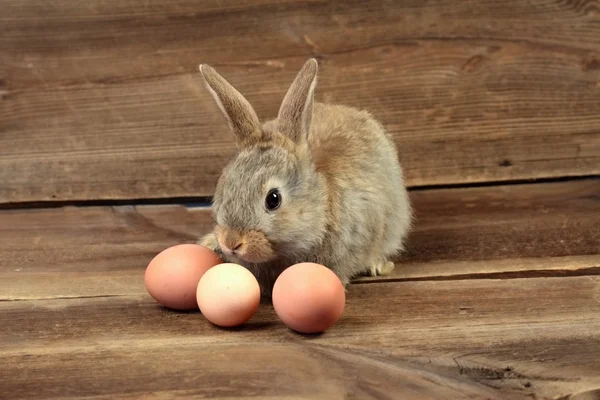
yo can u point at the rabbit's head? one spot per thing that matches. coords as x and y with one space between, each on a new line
269 202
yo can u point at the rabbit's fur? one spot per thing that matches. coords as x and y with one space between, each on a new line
344 203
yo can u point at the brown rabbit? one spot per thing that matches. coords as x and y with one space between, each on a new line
321 183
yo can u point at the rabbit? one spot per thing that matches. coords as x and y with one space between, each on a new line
321 183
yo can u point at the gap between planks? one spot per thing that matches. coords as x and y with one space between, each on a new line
206 201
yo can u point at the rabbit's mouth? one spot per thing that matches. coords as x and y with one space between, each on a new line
247 259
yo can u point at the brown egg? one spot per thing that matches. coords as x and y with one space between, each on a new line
172 276
228 295
308 297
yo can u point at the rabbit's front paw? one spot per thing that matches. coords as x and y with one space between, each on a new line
210 241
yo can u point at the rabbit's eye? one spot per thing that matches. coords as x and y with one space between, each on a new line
273 200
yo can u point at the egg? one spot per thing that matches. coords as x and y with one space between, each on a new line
172 276
228 295
308 297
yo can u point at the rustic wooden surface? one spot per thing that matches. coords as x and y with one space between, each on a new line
102 99
498 297
495 339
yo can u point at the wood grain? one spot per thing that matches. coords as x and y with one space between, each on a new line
494 339
102 99
494 233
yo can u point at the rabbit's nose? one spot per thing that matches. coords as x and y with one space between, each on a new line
230 247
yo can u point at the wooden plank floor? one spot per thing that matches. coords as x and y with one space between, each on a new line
498 297
102 99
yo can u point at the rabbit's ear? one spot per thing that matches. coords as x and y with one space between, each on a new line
295 113
240 115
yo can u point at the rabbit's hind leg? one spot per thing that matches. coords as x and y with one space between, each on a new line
381 267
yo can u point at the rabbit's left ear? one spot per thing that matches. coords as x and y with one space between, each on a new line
295 113
240 115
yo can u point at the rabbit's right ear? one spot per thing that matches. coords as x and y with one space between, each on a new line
240 115
295 113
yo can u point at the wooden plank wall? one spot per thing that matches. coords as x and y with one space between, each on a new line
102 99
